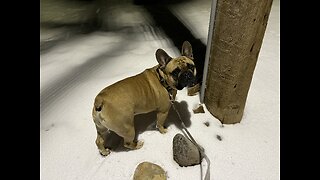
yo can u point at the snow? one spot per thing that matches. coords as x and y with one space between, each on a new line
74 70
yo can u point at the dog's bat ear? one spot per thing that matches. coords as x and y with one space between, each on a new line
162 57
187 50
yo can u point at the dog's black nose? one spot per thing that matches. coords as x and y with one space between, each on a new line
185 79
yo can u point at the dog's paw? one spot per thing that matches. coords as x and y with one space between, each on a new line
134 145
163 130
139 144
104 152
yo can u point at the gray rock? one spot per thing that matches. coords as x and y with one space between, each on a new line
150 171
185 153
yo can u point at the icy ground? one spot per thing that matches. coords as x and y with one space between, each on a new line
77 68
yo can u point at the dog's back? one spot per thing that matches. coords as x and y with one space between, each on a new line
128 97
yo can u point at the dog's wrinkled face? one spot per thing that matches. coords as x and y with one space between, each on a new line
178 72
181 72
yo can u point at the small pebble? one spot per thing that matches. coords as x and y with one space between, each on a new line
219 137
198 109
193 90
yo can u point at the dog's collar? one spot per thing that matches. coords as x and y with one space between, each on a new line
165 85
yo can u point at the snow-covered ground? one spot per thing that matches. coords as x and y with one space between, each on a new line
76 69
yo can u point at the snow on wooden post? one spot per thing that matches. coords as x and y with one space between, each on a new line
238 32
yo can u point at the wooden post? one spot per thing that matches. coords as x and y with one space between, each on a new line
238 32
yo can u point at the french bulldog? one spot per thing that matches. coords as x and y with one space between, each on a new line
152 90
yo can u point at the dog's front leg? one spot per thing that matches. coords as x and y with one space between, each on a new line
161 118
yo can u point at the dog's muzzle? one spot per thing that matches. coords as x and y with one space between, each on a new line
185 79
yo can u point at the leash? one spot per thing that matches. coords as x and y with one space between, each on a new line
200 149
172 100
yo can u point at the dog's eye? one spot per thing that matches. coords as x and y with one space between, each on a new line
190 66
175 72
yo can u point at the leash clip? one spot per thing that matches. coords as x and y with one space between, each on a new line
171 98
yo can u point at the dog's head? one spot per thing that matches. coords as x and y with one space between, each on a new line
178 72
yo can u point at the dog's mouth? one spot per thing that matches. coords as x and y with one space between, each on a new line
186 79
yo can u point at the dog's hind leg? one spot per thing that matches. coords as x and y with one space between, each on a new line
129 138
101 130
100 141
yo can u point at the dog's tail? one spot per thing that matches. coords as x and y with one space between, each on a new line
98 103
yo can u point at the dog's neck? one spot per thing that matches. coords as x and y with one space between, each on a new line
169 89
